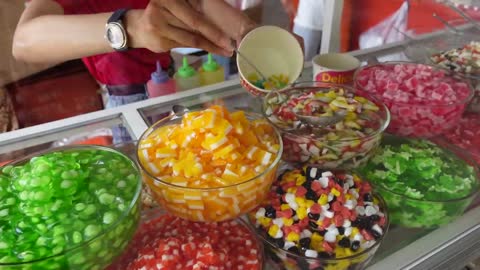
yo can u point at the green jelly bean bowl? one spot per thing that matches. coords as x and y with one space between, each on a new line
425 185
73 207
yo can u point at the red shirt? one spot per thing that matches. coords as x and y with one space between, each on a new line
130 67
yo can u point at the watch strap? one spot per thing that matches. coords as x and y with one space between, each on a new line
117 16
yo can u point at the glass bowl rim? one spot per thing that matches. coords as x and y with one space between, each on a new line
382 205
455 76
449 149
172 117
121 218
326 86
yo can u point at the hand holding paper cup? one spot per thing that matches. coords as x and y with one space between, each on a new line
334 68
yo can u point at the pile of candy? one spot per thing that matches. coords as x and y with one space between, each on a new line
423 101
321 215
168 242
423 185
466 135
465 60
60 200
346 143
214 150
274 82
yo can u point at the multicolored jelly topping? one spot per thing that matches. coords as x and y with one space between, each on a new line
273 82
360 114
168 242
321 214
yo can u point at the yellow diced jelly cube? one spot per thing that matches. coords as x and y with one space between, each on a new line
293 237
192 194
273 230
335 192
230 176
287 221
222 127
251 152
195 205
300 201
213 142
316 237
302 212
239 116
323 199
355 231
223 152
284 207
205 120
248 138
264 221
194 170
165 152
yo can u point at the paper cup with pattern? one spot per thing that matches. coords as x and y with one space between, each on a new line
334 68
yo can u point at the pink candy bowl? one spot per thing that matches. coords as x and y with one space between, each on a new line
424 101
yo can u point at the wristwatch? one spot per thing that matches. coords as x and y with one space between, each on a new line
115 32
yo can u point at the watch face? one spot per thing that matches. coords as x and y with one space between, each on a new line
116 35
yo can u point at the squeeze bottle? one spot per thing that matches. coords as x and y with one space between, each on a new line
186 77
160 84
211 72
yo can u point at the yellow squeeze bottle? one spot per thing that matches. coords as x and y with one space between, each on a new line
211 72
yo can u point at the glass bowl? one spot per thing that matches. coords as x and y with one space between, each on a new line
216 203
327 147
428 197
466 136
285 259
89 232
148 231
434 52
414 116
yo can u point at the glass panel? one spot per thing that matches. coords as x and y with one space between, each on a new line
99 133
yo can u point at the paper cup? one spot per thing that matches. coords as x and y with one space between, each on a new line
334 68
273 51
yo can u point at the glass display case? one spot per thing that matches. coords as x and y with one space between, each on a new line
449 247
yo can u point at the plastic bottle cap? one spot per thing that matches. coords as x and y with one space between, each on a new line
186 71
210 65
160 76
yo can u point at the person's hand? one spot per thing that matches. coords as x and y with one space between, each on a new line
167 24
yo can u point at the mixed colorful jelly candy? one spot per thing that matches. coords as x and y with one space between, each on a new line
464 60
213 166
273 82
55 203
423 101
168 242
423 184
321 216
466 135
344 144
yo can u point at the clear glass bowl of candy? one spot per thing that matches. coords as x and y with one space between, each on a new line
466 136
73 207
210 165
182 244
319 219
424 185
349 127
456 52
424 101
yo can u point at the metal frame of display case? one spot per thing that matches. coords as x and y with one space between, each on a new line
449 247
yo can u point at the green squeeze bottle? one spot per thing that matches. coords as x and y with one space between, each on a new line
186 77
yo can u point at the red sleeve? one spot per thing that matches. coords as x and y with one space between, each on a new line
73 6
